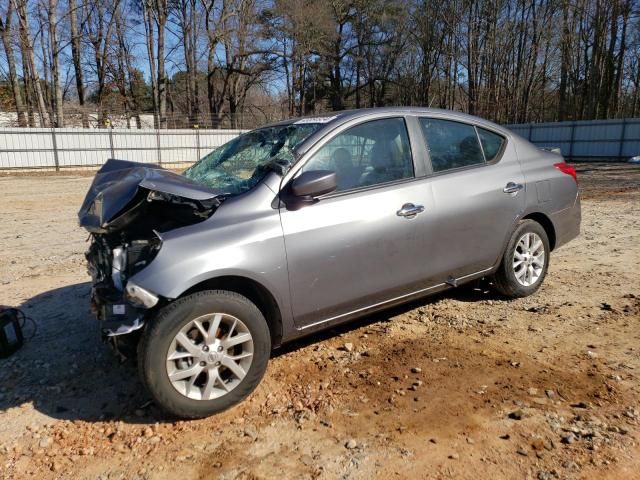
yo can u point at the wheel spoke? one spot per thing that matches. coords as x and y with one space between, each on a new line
241 356
212 376
236 369
538 261
201 329
236 340
193 371
176 355
214 325
189 384
187 344
232 328
221 382
536 246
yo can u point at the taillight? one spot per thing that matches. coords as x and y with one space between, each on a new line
568 169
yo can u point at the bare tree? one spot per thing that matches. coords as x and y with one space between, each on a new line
155 20
6 35
28 59
74 12
54 49
186 14
507 60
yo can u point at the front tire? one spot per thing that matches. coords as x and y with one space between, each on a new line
525 261
204 353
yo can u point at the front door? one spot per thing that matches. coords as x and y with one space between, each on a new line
358 246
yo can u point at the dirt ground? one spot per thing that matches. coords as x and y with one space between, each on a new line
461 385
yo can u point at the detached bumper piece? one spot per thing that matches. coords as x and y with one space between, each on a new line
116 316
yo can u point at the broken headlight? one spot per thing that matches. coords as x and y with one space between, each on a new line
139 297
118 266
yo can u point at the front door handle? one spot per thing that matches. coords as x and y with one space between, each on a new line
512 187
409 210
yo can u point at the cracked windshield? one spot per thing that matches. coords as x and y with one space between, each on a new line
240 164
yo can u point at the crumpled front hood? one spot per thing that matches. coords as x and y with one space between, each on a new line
120 183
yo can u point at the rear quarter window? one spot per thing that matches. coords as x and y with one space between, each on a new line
491 143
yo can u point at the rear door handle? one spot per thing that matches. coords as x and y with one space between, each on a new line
409 210
512 187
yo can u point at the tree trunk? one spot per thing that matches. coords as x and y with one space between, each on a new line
161 14
55 64
565 51
75 55
5 33
149 30
28 58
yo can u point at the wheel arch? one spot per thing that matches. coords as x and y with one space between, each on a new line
546 223
254 291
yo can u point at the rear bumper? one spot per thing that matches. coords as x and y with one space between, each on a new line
566 223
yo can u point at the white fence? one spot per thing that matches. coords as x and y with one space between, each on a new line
69 148
72 148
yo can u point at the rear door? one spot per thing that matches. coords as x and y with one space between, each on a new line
478 194
360 245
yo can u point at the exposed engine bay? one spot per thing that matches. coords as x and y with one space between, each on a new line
126 210
111 262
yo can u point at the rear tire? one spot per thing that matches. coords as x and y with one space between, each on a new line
525 261
204 353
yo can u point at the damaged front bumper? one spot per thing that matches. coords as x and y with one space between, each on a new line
123 314
126 209
120 305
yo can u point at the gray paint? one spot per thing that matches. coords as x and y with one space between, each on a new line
350 253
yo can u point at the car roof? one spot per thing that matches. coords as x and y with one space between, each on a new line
332 120
345 115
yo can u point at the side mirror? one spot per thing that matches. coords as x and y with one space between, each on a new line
314 184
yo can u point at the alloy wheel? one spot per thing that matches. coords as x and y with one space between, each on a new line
529 259
209 356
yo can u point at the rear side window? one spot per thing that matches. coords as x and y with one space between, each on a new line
368 154
451 144
491 143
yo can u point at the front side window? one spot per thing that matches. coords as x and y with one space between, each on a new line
368 154
451 144
237 166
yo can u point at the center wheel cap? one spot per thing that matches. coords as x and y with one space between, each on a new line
214 357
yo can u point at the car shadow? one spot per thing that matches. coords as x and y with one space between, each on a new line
67 372
471 292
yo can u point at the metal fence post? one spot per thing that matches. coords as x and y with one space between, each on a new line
158 147
573 132
198 143
623 135
113 155
55 149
